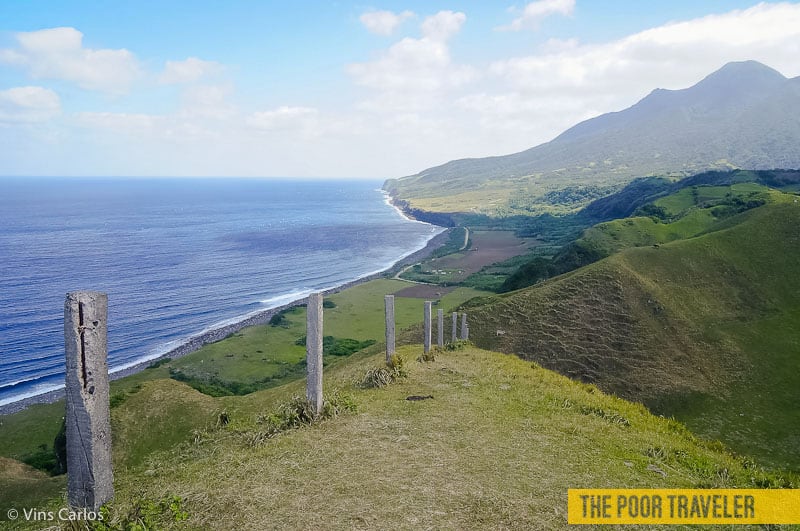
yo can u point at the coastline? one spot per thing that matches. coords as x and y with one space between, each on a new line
194 343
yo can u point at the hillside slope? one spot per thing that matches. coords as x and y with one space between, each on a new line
496 446
745 115
704 329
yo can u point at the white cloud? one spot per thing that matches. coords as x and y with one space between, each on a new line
207 102
443 25
384 22
58 53
129 123
414 74
188 71
284 118
533 13
28 105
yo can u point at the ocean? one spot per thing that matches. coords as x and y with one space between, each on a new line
177 257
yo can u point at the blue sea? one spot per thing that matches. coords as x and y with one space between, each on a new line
176 257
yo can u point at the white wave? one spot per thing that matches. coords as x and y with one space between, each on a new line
37 390
286 298
388 200
17 382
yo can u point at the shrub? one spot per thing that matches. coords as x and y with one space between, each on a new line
459 344
279 319
158 363
333 346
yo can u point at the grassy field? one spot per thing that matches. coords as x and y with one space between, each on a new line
255 358
495 447
701 328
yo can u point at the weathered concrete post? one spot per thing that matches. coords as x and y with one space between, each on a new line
389 304
464 327
455 326
427 338
440 327
90 478
314 351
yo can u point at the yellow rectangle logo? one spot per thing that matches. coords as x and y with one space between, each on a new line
683 506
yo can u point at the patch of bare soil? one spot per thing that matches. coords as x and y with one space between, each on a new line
488 247
424 291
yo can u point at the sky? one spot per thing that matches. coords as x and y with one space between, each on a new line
343 89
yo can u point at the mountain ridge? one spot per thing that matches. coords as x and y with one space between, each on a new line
743 115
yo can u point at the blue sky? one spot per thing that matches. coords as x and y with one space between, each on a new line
342 89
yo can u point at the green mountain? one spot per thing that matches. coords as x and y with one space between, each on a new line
745 115
696 317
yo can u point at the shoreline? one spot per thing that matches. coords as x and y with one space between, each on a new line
195 343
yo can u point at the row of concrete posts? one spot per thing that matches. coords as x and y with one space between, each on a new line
90 479
427 324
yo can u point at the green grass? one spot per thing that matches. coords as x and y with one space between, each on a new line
23 486
693 196
497 446
264 356
22 434
613 236
701 328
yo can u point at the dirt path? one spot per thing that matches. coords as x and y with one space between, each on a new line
466 239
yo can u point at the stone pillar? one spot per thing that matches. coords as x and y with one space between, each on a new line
90 478
464 328
455 326
427 338
314 351
440 328
389 305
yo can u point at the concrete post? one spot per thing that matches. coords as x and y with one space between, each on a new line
314 351
464 329
440 327
390 346
455 326
90 478
427 338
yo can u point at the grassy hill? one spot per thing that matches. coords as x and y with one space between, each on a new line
661 214
496 446
703 328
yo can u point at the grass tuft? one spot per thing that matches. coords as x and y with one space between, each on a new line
609 416
298 412
383 376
